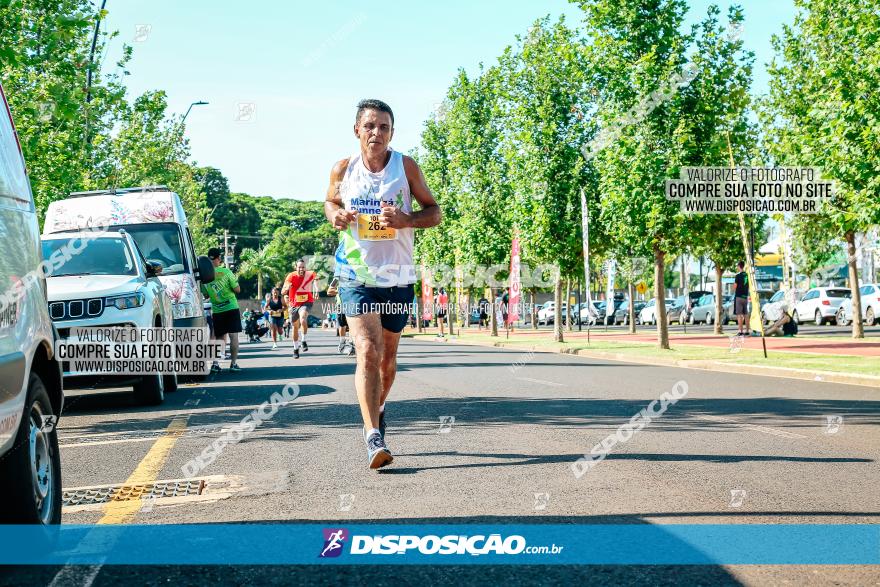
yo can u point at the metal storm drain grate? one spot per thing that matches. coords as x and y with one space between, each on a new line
157 490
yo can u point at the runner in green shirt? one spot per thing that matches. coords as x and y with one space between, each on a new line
224 307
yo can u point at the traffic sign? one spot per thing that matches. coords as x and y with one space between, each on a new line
642 287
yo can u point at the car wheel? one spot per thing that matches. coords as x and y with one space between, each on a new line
818 318
841 318
709 318
150 391
169 382
870 318
691 319
31 491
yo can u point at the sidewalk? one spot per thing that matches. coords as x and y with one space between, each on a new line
817 345
837 360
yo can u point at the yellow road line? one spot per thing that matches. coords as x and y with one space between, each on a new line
147 471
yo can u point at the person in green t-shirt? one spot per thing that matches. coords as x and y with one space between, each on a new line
224 307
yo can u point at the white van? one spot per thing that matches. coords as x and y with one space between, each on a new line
154 216
31 396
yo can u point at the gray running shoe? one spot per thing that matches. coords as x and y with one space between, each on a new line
378 454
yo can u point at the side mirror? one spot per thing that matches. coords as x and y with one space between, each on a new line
206 270
154 268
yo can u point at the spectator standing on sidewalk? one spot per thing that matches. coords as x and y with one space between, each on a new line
741 300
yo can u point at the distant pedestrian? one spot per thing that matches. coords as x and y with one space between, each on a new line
275 309
741 299
483 307
441 301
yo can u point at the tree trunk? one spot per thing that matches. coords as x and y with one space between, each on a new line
568 323
493 314
557 321
683 274
533 310
419 313
631 310
449 315
719 301
660 296
858 330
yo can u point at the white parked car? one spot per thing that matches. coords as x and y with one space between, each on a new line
109 283
820 304
31 394
870 293
547 312
648 314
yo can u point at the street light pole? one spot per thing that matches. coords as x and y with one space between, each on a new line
199 103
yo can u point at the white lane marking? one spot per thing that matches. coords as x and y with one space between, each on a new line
755 427
76 576
191 402
541 381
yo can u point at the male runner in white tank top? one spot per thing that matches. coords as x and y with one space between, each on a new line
370 202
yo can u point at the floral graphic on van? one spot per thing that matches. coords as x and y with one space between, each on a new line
158 212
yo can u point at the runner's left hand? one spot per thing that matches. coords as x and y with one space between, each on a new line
393 217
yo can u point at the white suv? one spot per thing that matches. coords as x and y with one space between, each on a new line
107 284
31 395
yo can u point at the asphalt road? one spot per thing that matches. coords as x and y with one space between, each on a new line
735 449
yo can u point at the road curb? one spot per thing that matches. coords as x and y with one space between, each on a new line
784 372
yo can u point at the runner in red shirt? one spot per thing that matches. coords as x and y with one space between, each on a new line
299 292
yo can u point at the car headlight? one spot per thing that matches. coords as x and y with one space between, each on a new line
183 310
126 301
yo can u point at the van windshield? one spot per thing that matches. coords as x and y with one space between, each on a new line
159 242
104 256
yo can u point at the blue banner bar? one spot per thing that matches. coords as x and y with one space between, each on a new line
289 543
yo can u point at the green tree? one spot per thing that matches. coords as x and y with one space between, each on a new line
546 91
638 48
44 63
715 106
260 263
823 111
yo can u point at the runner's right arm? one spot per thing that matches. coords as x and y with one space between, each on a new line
334 207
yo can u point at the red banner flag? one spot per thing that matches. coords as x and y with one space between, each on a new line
515 283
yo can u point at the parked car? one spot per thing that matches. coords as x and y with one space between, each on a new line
109 284
621 315
584 316
155 218
870 293
547 313
680 308
31 393
772 310
820 304
648 314
704 309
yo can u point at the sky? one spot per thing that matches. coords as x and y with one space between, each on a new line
282 78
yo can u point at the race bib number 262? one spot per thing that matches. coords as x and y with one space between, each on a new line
369 229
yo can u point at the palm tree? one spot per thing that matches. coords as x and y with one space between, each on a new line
262 263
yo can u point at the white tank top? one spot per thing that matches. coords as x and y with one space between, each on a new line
368 253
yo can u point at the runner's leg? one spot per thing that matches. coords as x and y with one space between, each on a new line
389 361
368 334
233 347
